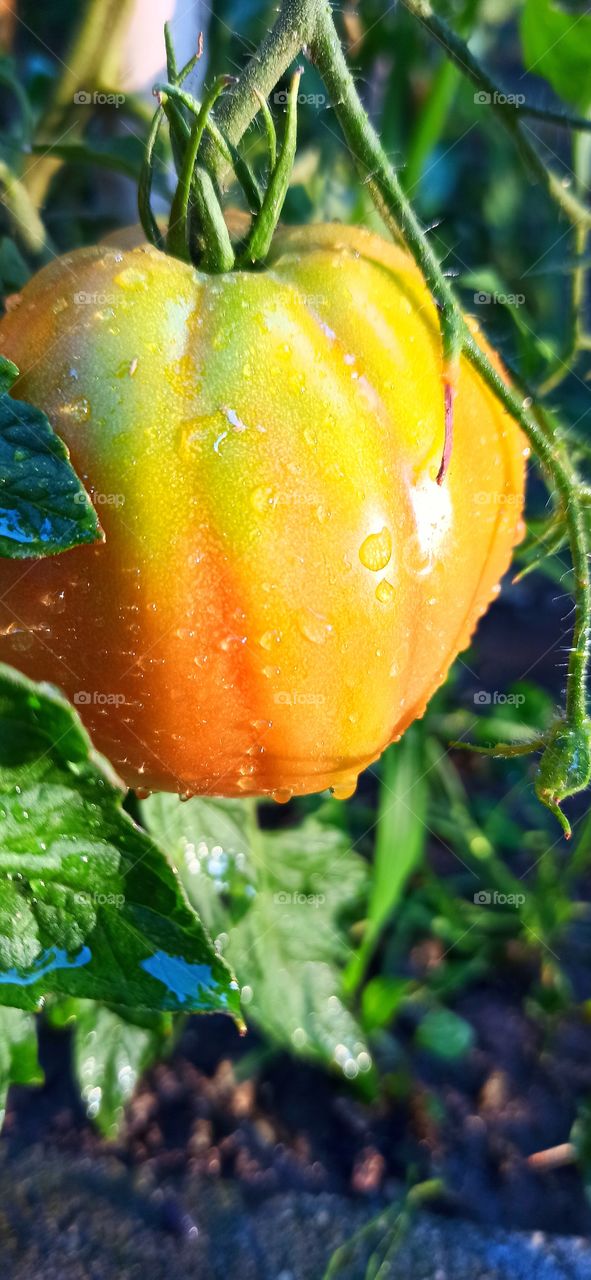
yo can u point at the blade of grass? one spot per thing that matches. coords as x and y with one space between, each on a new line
400 842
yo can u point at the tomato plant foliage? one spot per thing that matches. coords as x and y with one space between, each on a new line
88 905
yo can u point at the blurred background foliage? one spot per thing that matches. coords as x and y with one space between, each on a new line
355 928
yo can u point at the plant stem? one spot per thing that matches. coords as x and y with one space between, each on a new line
283 43
508 111
560 473
575 336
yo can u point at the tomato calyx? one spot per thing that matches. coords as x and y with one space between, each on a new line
565 766
197 231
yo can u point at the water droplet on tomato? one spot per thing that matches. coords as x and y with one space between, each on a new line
262 498
345 788
132 278
314 626
269 639
385 592
376 550
282 795
77 410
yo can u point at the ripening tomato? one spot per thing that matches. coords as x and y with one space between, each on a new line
283 584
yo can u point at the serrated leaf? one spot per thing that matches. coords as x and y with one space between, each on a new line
19 1063
275 901
88 904
43 506
110 1053
556 45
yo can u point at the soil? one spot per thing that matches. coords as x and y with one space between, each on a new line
225 1141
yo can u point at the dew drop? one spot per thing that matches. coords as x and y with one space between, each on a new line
345 788
262 498
282 795
132 278
270 638
385 592
77 410
314 627
376 551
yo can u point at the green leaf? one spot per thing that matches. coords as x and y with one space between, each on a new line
119 155
18 1053
8 374
43 506
88 905
556 45
110 1053
445 1034
275 901
400 842
381 998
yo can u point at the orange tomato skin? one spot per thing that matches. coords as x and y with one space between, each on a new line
283 584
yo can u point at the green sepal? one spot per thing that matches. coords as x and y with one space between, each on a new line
565 767
266 220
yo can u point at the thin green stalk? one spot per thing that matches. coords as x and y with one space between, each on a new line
178 231
269 129
228 153
575 336
560 473
508 110
284 43
266 221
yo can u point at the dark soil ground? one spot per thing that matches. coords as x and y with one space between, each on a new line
224 1141
473 1122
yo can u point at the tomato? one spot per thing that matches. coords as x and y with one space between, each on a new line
283 584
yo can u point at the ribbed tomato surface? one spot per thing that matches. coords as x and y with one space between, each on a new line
283 584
